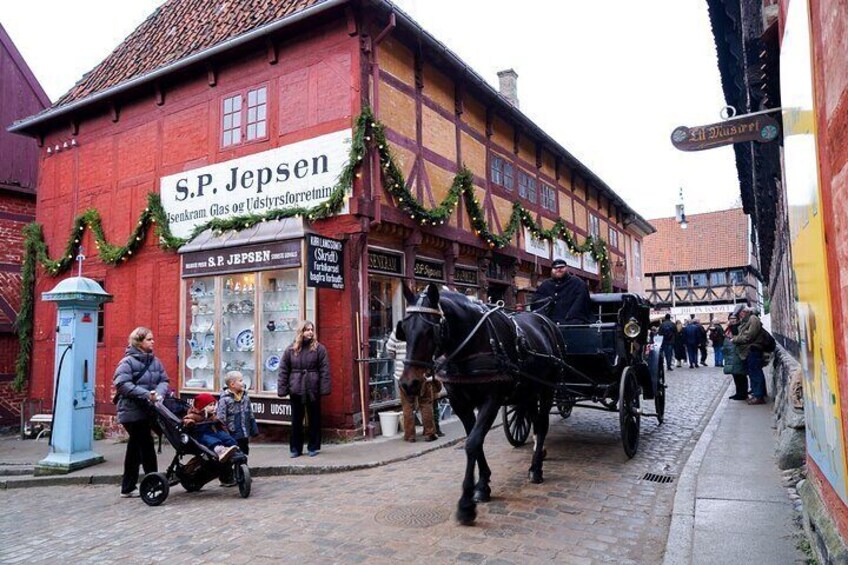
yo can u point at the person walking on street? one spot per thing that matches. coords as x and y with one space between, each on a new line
749 349
716 335
733 365
140 379
693 338
305 376
702 340
679 344
667 331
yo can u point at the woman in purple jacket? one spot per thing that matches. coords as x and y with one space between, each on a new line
305 377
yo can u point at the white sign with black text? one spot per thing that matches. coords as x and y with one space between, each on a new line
537 247
561 252
299 175
589 263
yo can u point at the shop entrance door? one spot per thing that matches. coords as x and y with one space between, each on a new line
382 311
496 292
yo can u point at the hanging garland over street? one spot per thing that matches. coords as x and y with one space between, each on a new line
369 133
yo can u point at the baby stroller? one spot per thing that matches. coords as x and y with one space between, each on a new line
202 467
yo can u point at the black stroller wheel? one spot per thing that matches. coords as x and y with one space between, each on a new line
154 489
243 479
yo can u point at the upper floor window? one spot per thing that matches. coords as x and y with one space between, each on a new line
737 276
613 238
502 173
594 226
681 281
531 190
699 280
549 198
718 278
523 181
245 117
637 258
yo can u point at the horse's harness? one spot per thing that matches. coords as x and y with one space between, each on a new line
503 363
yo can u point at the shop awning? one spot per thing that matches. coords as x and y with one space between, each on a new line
263 232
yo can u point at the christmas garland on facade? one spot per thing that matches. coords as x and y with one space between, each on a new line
368 134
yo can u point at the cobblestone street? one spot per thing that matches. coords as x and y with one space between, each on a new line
592 508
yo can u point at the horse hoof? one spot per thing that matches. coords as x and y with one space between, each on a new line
536 478
466 516
482 496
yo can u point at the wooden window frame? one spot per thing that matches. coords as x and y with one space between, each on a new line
242 115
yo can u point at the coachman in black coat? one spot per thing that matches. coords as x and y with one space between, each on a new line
566 297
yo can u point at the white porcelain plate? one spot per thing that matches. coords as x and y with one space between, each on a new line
272 363
244 340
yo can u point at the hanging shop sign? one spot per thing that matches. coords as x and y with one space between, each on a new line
385 262
429 270
299 175
759 128
325 259
259 257
465 276
266 410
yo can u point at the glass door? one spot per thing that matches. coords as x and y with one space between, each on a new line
383 312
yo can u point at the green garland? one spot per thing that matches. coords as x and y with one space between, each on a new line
463 186
368 134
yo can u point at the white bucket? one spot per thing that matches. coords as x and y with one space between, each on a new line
389 422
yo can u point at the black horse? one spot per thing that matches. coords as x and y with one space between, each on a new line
486 358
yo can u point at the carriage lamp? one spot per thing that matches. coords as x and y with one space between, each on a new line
632 329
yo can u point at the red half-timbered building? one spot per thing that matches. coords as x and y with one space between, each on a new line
250 106
20 95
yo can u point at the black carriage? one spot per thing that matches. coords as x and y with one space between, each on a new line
610 364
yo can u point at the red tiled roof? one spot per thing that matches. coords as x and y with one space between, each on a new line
712 241
177 29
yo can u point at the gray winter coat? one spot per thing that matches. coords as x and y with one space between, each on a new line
237 415
306 374
134 397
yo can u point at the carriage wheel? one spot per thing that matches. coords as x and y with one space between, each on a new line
154 489
564 408
628 412
659 396
516 423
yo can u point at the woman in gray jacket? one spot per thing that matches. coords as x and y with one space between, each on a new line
139 380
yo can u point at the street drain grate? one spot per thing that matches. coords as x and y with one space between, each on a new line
655 478
415 516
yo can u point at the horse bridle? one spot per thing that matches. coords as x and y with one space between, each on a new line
438 328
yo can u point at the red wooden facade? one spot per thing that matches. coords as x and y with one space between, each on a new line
20 96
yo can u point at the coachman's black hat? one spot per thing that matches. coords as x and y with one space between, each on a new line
558 263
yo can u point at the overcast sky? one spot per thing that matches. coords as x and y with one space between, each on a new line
608 79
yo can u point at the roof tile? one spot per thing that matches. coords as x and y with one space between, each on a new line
175 30
713 240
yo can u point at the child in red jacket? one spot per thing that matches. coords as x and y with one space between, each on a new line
202 424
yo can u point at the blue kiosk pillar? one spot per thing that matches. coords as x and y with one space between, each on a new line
72 434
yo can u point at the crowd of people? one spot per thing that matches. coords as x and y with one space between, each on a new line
740 349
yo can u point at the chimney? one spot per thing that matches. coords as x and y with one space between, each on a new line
509 85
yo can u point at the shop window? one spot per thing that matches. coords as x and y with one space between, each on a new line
699 280
252 104
384 310
549 198
101 316
681 281
718 278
